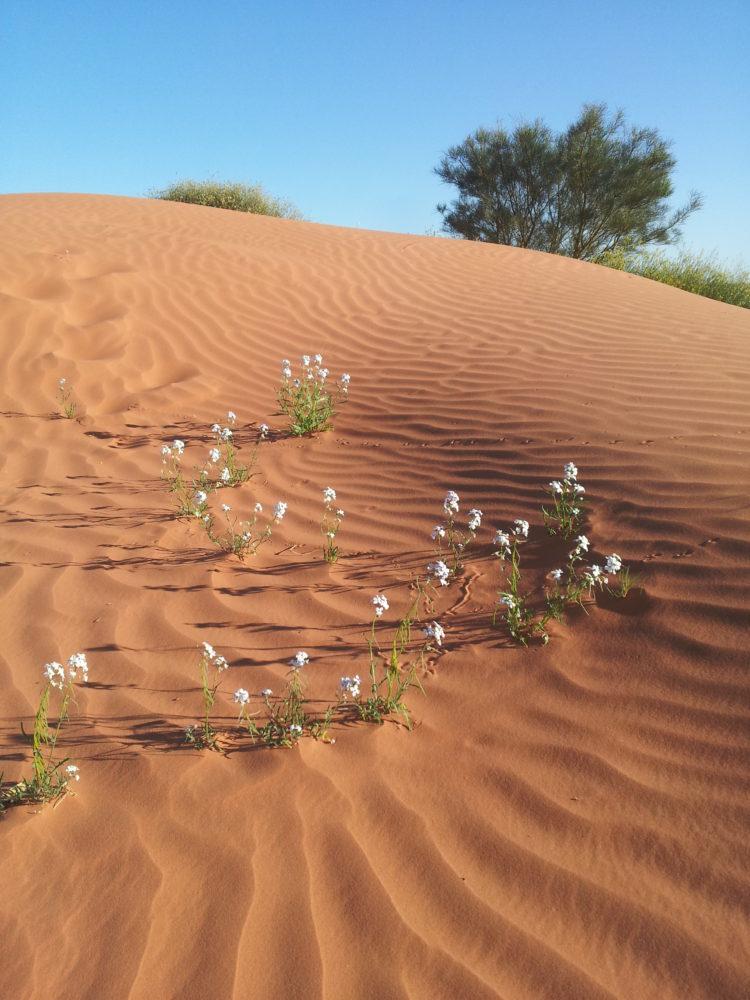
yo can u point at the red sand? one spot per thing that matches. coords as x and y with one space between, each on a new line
564 822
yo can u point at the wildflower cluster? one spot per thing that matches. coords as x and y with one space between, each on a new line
449 535
308 399
568 585
286 718
68 406
568 497
243 537
332 518
389 685
203 736
220 469
51 777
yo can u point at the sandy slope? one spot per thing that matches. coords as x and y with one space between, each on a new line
565 822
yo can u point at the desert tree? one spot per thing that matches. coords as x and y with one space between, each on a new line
599 186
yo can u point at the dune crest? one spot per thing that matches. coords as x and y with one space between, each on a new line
564 822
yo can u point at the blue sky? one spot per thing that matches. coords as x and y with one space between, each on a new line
345 108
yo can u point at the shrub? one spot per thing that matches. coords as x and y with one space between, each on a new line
237 197
693 272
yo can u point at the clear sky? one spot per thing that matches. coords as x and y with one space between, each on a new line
345 108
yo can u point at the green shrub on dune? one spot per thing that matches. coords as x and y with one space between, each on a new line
237 197
693 272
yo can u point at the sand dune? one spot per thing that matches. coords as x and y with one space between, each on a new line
567 821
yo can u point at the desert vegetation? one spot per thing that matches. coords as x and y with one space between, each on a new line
235 196
700 273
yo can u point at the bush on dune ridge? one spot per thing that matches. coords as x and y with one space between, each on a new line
235 196
694 272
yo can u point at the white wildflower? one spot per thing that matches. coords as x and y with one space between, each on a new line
55 673
241 696
263 429
329 495
450 504
570 471
226 434
258 508
266 693
226 475
440 571
556 486
318 359
613 564
521 529
435 631
216 428
556 574
178 446
220 663
279 510
200 498
502 541
306 360
226 508
299 660
295 729
509 601
438 532
73 773
350 686
78 662
214 455
232 417
380 603
582 544
475 519
209 651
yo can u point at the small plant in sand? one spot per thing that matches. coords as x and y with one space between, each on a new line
286 718
243 538
626 580
390 684
568 497
202 735
51 777
520 619
308 400
450 536
68 405
332 517
222 468
172 474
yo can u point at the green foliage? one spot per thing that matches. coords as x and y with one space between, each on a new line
237 197
387 692
287 719
203 736
49 781
309 406
593 188
68 405
693 272
625 583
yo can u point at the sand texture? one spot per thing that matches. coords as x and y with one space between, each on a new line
567 821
